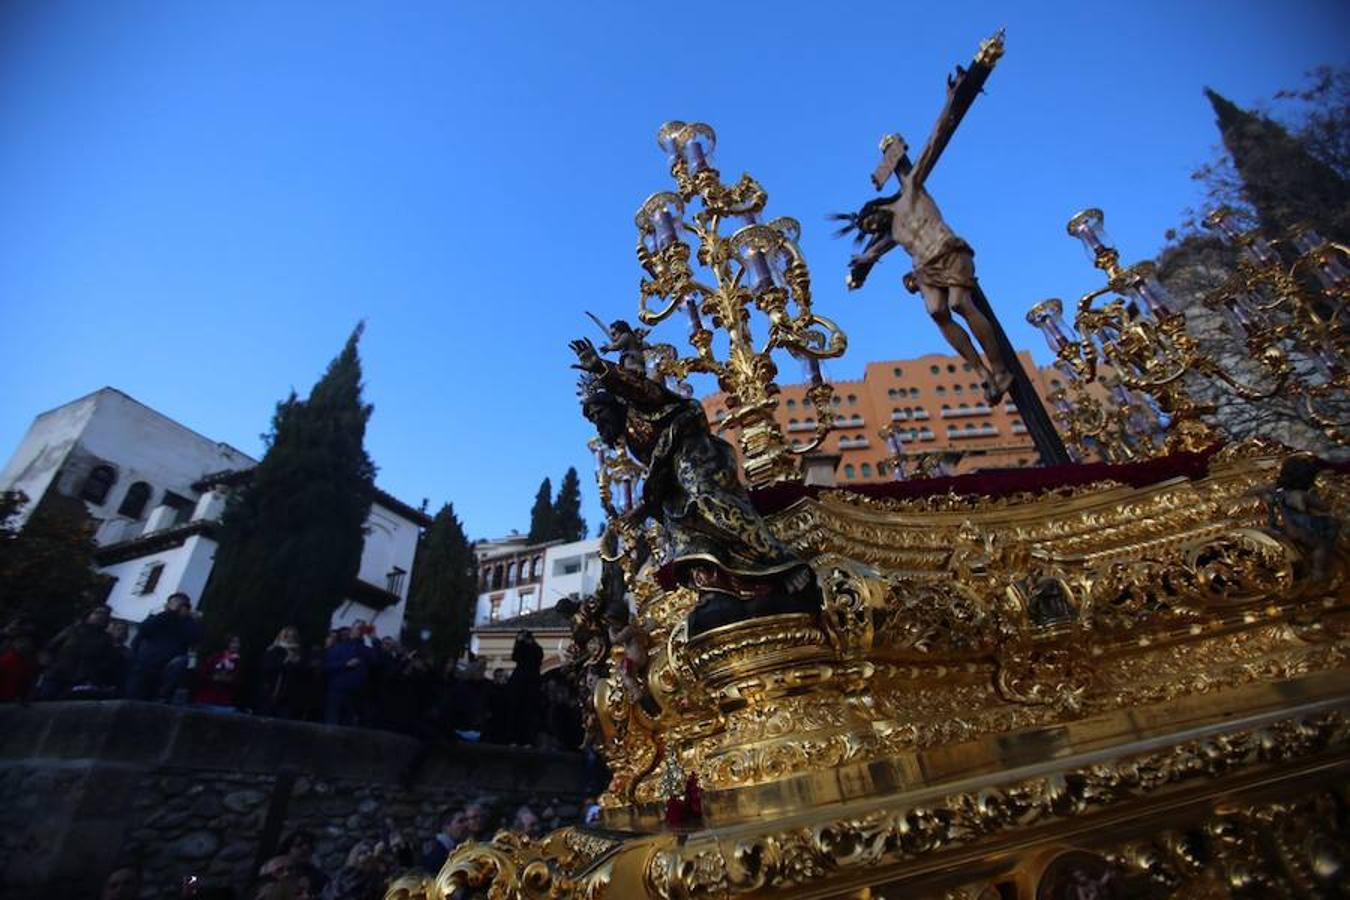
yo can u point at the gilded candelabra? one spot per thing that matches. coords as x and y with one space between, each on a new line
1143 338
1113 424
741 264
1289 295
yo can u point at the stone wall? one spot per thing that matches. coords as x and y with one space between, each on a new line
84 786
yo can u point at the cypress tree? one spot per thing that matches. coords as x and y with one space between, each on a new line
1284 182
291 537
444 586
47 574
567 521
541 514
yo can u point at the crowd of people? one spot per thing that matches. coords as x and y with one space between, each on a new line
355 678
294 872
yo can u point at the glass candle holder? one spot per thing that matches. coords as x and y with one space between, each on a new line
1048 316
1089 227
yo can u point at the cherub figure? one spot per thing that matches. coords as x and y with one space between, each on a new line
629 342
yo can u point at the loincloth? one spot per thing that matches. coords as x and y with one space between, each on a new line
952 266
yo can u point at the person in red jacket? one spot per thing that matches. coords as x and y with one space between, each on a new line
18 663
218 683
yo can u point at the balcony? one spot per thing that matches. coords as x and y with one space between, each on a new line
970 411
920 414
802 426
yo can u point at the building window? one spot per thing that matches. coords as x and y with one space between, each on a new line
951 368
496 612
914 392
792 404
537 567
1055 383
97 485
892 393
974 388
393 581
965 367
965 406
497 577
956 389
896 372
835 401
934 369
940 391
867 470
149 579
848 471
792 422
852 399
181 506
133 504
882 468
511 574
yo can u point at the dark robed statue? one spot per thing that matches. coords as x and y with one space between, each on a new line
719 545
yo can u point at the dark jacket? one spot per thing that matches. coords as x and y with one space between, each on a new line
87 656
163 636
340 676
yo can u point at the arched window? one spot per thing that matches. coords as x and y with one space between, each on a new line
965 406
965 367
971 427
956 389
856 420
867 470
848 470
940 390
497 577
537 567
934 369
852 399
133 504
97 485
951 368
792 404
896 372
882 468
792 422
510 574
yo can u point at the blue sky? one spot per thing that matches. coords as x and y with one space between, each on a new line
199 200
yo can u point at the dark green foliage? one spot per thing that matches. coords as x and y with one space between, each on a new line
47 571
1283 181
541 514
444 586
291 537
567 521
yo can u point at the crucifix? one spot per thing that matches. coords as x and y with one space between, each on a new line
944 264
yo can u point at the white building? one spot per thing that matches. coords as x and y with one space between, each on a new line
519 583
157 490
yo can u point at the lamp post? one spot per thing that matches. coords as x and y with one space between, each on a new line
707 254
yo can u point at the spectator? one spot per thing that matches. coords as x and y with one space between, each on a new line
18 663
120 631
218 686
454 829
526 822
285 676
477 820
362 877
300 847
346 668
469 699
123 883
85 664
522 689
160 650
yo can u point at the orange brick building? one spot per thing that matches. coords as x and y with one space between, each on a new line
935 401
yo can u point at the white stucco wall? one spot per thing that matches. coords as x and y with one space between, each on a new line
391 541
186 569
44 449
583 582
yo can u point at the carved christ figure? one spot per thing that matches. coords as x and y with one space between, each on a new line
944 267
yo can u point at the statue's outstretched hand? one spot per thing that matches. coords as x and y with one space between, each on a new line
587 359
